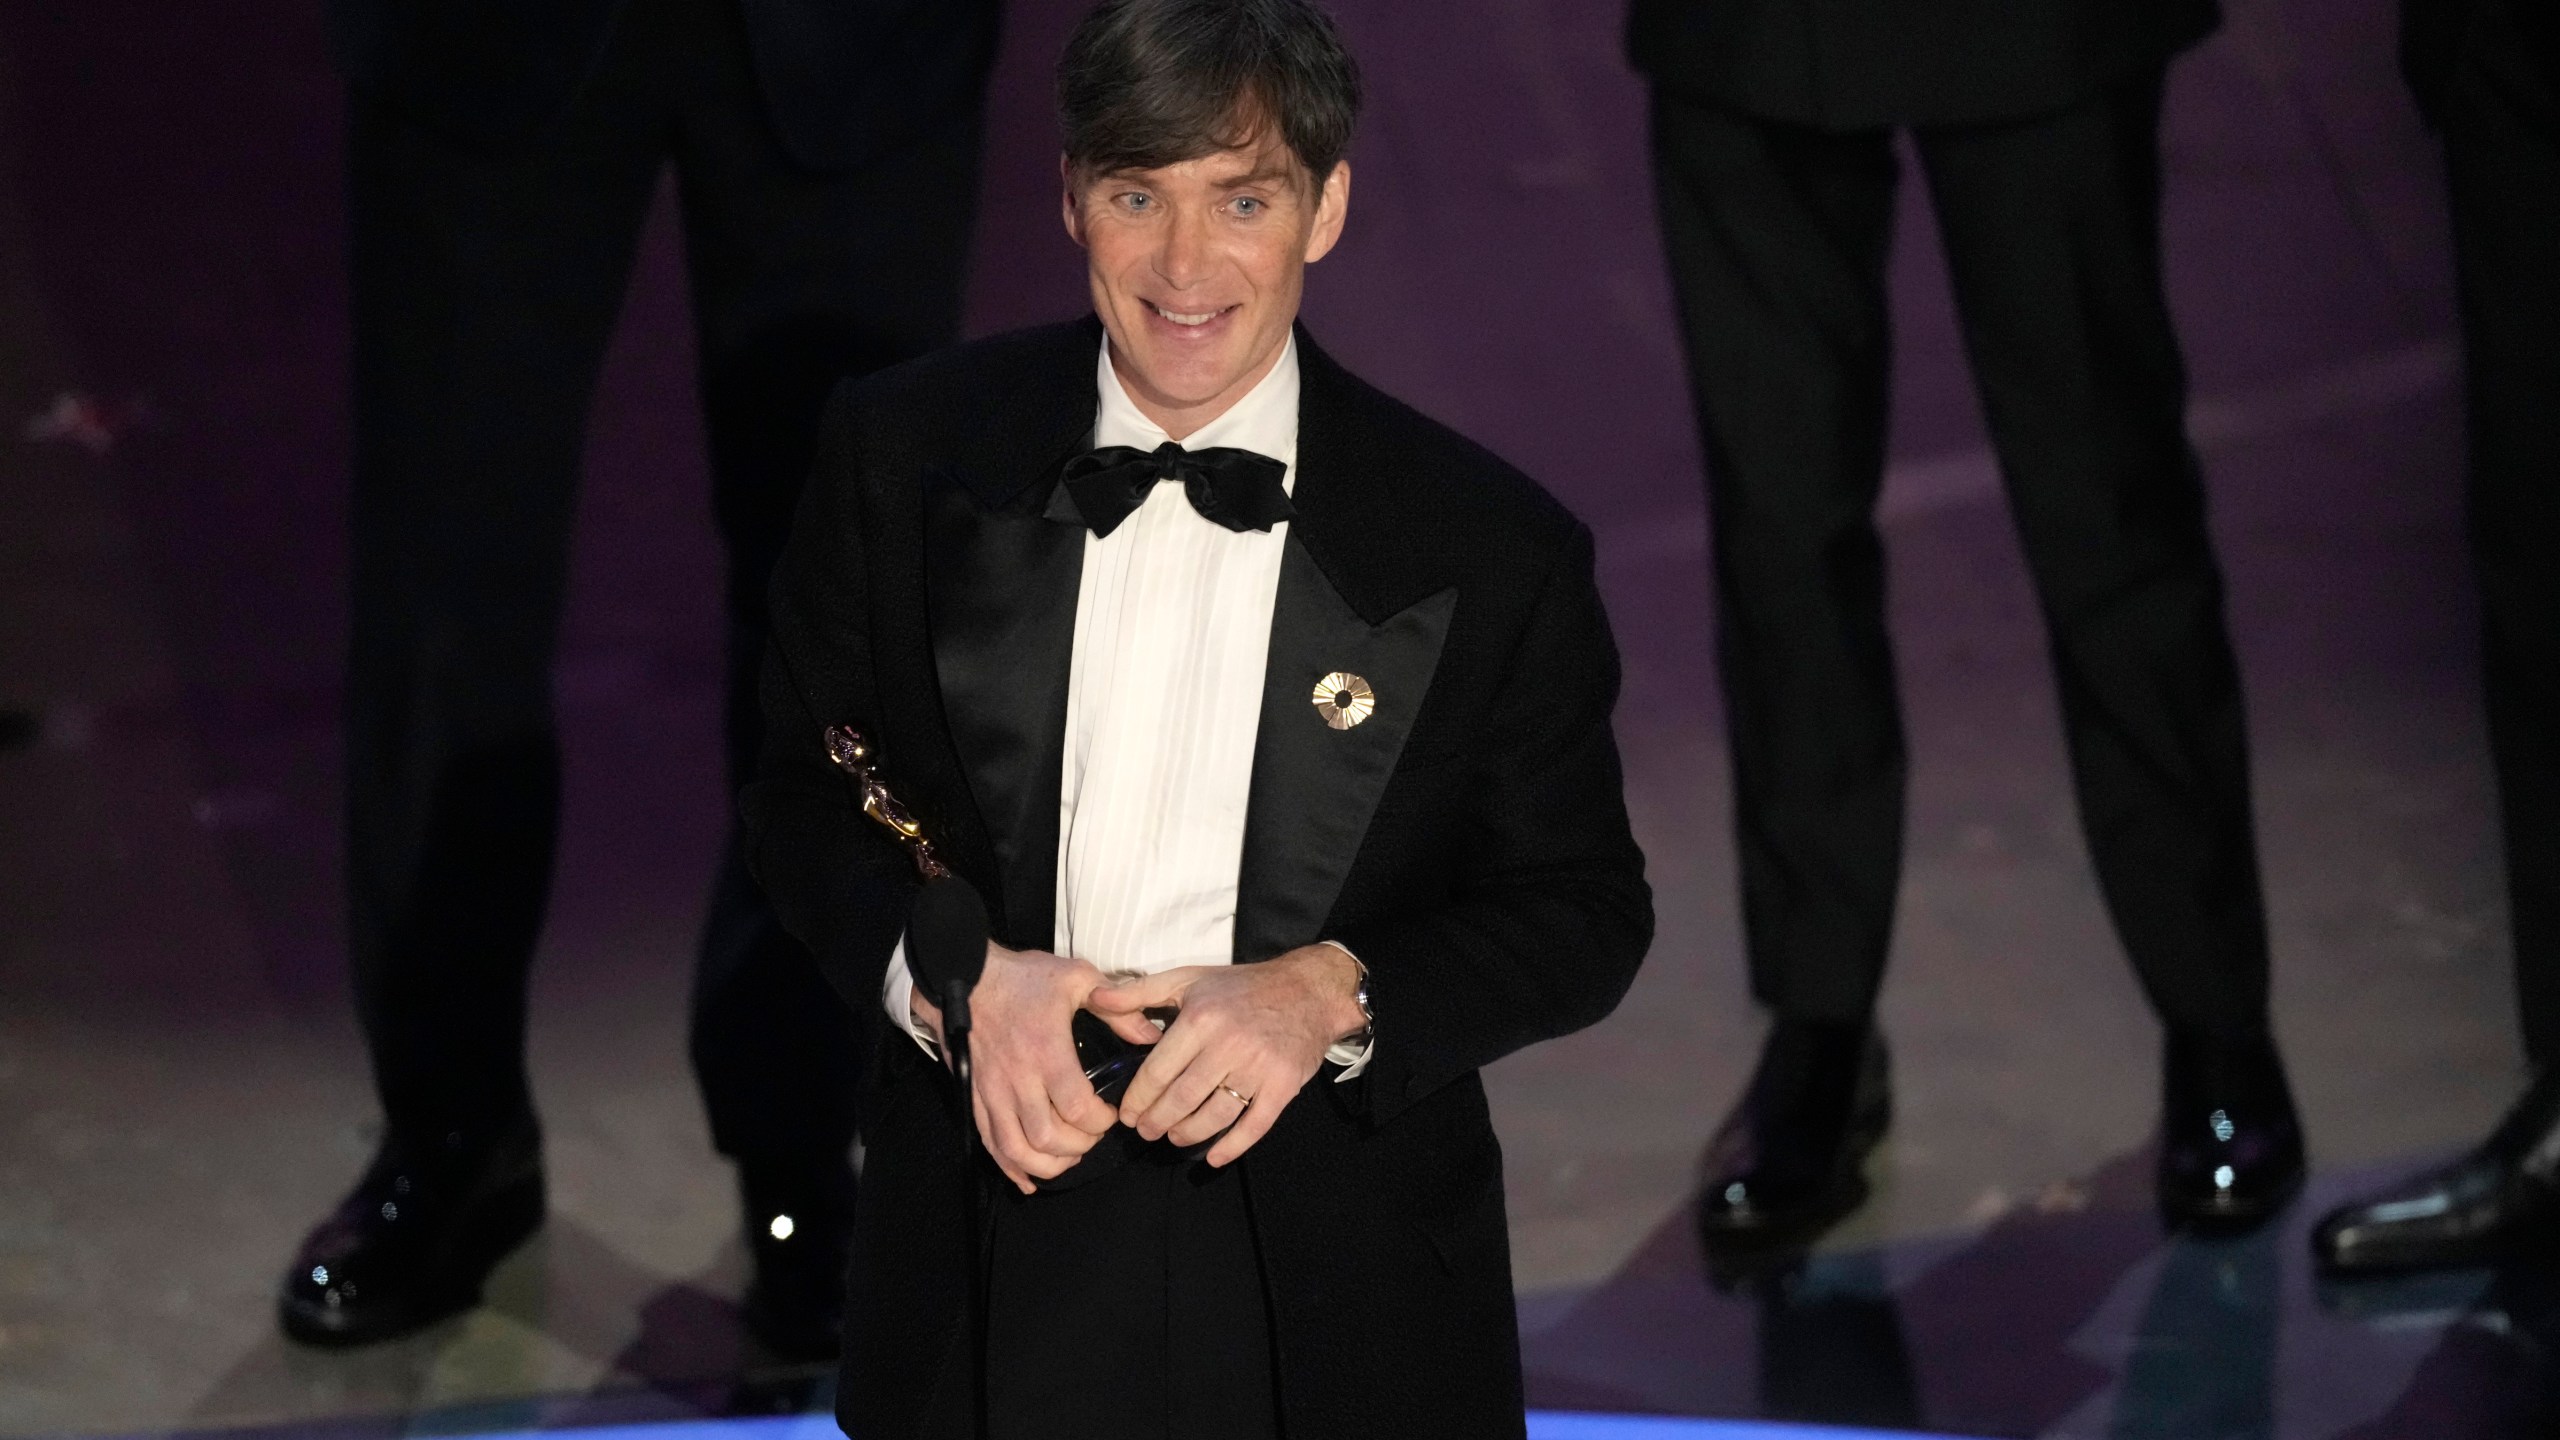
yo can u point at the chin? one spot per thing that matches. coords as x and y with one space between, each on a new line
1187 379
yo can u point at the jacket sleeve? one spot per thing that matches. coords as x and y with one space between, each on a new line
1543 934
835 878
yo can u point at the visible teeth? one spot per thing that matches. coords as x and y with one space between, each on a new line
1203 318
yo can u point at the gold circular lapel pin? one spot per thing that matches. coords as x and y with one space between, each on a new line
1344 699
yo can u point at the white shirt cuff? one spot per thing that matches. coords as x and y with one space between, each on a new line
1351 1055
897 996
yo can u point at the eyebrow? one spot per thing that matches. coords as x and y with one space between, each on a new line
1265 175
1273 173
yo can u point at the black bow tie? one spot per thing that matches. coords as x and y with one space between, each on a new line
1237 488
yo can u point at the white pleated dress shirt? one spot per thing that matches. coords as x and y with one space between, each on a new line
1164 702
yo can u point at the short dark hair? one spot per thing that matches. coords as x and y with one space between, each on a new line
1150 83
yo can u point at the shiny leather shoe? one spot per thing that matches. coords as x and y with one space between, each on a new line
2490 1205
1788 1162
2230 1144
417 1237
799 1240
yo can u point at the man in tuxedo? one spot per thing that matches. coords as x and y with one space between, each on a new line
503 154
2486 74
2036 124
1309 749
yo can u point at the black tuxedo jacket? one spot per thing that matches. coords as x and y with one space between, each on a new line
843 80
1858 64
1469 840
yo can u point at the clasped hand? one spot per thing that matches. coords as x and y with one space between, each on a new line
1253 1031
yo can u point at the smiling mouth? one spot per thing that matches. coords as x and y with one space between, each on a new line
1190 320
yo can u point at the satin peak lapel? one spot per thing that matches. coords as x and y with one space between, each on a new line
1000 585
1316 783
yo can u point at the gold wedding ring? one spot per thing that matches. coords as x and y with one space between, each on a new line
1241 1097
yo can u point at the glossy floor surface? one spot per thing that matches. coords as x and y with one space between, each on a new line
181 1090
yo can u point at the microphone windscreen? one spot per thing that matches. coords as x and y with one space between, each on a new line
947 937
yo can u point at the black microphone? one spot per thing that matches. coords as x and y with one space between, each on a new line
946 952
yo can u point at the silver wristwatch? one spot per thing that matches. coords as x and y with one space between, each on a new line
1359 996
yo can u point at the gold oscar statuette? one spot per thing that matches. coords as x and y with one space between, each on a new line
852 754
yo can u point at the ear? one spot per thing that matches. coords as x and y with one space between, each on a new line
1333 207
1070 205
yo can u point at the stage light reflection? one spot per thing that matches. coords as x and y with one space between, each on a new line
1543 1425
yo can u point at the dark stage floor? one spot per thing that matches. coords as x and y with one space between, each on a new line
180 1086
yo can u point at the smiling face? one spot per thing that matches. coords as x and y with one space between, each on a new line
1197 269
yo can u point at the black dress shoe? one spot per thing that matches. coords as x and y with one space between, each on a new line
417 1238
1787 1163
2492 1204
799 1239
2230 1144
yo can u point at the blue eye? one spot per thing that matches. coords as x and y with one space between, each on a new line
1247 205
1137 200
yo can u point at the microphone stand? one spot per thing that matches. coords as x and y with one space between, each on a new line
975 1299
955 1044
851 752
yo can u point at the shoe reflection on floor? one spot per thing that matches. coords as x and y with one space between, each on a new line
2495 1369
1831 1346
2204 1356
2071 1315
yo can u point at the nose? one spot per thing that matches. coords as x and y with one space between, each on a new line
1182 259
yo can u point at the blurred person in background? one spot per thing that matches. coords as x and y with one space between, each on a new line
2486 74
503 155
2036 123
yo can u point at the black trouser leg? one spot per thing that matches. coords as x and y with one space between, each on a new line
2502 152
1133 1306
799 280
1778 238
483 292
2052 239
